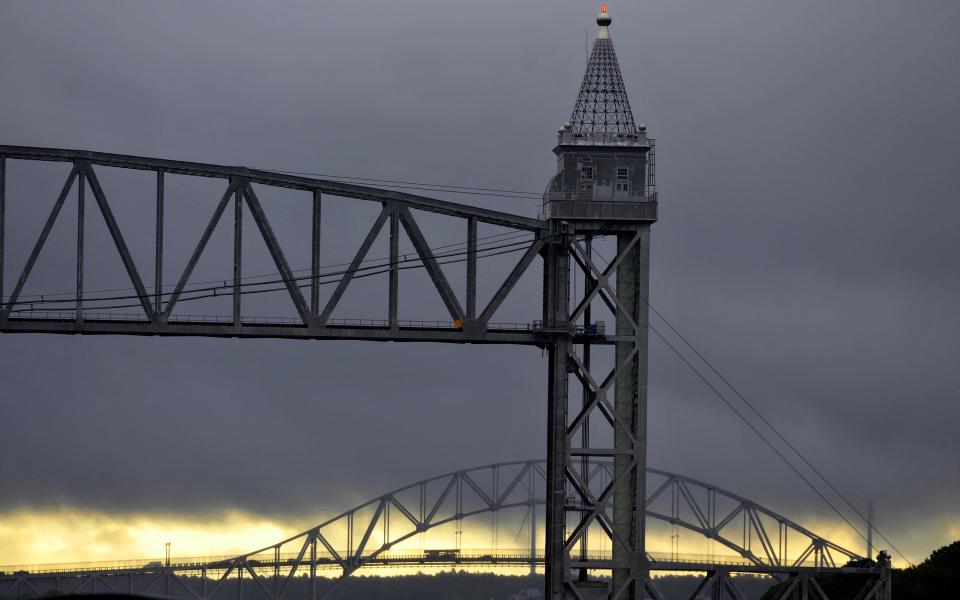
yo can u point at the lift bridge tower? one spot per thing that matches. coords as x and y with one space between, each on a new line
604 188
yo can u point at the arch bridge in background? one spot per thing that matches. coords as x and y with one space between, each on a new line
379 532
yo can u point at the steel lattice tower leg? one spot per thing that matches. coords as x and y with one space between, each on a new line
629 566
885 591
630 405
556 292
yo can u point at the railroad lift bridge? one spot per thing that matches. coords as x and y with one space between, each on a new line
593 486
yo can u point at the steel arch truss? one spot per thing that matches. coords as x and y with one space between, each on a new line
379 532
461 322
756 533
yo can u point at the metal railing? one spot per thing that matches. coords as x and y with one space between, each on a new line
598 328
577 205
599 138
70 315
553 196
388 558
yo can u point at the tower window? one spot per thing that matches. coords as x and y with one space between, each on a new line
586 172
621 172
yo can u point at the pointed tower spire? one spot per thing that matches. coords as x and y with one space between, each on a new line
602 105
605 162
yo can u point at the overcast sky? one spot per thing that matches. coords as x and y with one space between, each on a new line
808 163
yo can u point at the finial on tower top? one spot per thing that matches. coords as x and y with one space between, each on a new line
603 20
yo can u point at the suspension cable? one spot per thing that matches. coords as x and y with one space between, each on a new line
489 240
766 421
772 427
357 273
433 187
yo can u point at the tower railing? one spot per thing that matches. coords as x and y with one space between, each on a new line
602 138
581 205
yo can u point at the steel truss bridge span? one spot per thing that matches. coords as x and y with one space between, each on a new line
373 534
463 322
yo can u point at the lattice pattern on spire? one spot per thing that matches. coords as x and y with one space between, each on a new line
602 105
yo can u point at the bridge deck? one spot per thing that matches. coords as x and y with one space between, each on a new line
65 322
666 563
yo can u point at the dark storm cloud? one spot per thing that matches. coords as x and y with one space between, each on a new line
808 240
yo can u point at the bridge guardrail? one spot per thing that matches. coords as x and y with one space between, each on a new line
70 315
327 560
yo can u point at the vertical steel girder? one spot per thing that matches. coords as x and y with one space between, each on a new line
3 223
556 301
158 251
630 407
81 204
471 268
315 257
237 251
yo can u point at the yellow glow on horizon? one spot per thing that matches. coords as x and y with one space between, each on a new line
68 536
30 537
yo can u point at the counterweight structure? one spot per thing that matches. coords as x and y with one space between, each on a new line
601 189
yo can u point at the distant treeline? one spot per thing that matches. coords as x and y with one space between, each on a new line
447 585
474 586
936 577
